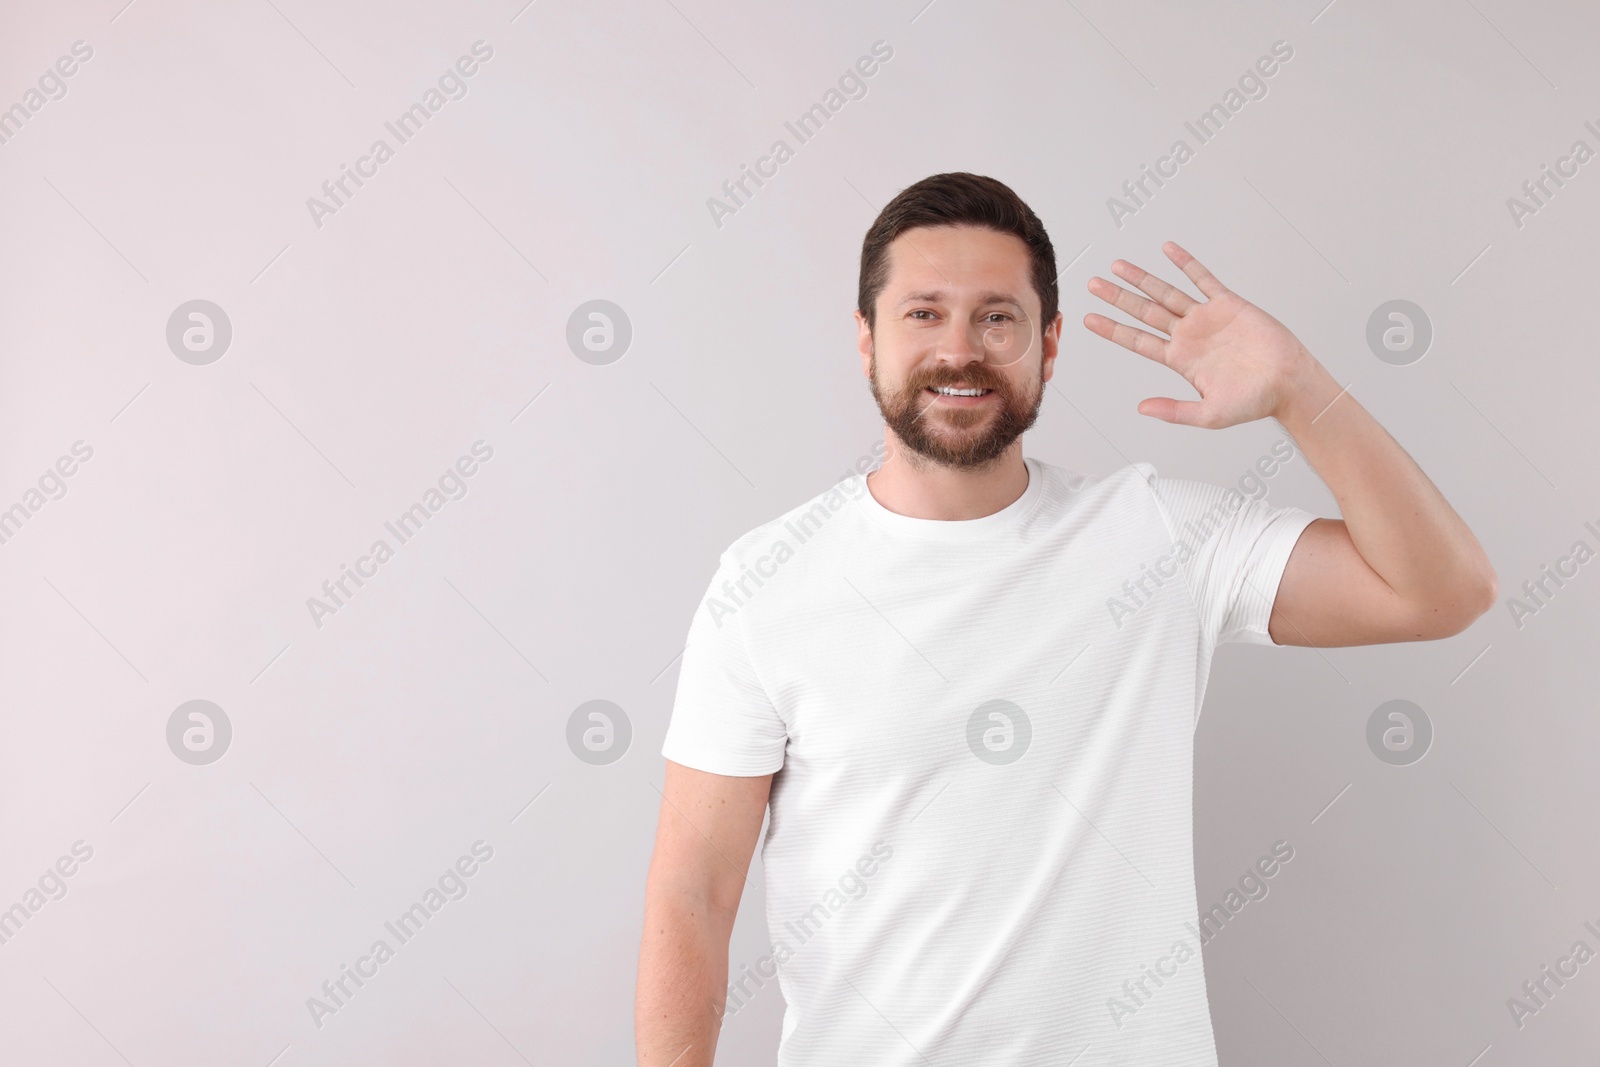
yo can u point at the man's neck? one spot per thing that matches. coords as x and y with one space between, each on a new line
926 490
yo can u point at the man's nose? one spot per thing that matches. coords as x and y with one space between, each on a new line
962 343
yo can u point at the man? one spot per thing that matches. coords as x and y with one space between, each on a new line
967 684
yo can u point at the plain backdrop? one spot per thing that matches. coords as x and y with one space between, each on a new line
375 340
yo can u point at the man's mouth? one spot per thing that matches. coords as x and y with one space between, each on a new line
960 394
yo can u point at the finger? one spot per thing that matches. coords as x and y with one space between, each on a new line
1180 412
1133 339
1170 297
1147 311
1203 279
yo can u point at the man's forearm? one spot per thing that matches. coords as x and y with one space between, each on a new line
683 981
1398 520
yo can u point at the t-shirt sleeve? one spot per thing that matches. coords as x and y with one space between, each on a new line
1232 551
722 720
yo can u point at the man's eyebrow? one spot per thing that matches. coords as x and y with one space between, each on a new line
937 295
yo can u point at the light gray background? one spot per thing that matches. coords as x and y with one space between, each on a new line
431 312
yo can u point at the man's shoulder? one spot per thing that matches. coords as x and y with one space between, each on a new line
1132 468
800 523
1069 482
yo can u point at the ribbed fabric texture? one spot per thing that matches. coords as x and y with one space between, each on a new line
933 896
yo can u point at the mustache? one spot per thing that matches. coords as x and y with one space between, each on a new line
976 376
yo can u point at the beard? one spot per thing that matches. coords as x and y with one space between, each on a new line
957 437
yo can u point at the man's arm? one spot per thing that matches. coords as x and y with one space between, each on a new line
705 838
1400 565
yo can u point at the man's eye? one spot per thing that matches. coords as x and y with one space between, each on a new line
921 311
1002 314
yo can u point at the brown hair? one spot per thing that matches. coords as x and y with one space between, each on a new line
956 199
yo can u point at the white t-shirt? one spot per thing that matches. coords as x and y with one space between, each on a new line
980 844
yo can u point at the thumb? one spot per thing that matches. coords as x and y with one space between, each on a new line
1181 412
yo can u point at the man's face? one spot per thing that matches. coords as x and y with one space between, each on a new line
958 311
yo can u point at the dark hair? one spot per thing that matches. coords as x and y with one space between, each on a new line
956 199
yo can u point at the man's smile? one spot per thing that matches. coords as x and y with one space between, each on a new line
960 396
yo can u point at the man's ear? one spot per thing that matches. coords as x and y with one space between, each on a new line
864 344
1049 346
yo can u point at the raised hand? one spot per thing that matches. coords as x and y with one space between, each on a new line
1242 361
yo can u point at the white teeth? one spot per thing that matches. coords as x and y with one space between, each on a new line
952 391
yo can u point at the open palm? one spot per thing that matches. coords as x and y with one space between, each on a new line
1237 357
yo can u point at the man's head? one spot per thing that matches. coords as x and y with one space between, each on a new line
958 289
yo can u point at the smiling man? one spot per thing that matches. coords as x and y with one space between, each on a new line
942 715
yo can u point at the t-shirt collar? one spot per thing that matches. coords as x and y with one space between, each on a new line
1002 521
